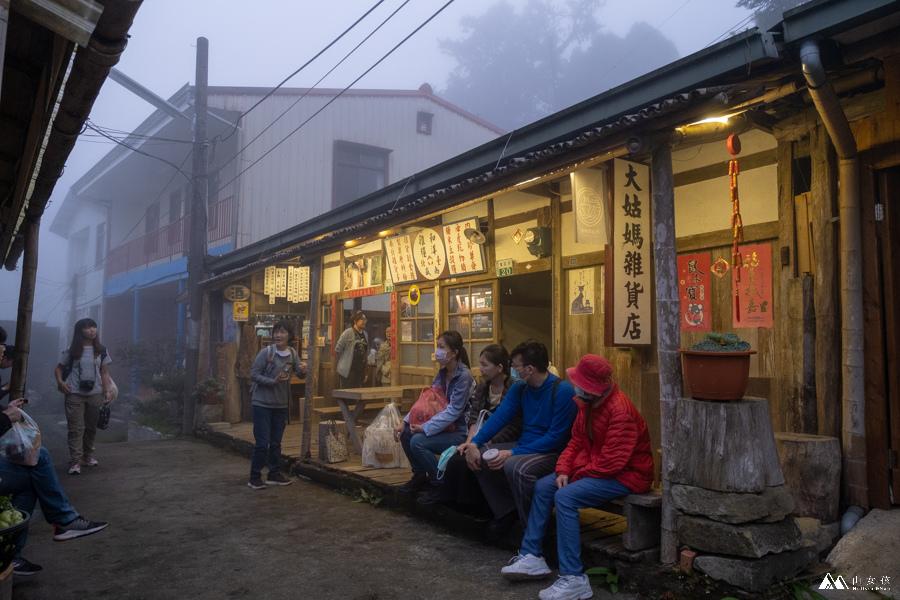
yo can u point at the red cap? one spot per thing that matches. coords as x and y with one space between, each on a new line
593 374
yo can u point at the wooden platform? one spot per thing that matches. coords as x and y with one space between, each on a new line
595 524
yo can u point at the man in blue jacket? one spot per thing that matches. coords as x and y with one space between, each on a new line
548 409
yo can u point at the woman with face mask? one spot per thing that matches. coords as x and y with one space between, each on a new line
422 443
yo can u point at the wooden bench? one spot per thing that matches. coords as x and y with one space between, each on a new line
644 515
334 412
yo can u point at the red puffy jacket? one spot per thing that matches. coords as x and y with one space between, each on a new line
620 448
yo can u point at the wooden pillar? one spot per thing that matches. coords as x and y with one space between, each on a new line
559 285
32 227
668 328
312 354
823 200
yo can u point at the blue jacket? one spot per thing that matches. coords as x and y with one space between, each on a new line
458 391
546 420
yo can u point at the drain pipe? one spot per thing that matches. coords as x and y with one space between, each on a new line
852 371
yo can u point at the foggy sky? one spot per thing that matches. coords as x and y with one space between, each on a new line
259 44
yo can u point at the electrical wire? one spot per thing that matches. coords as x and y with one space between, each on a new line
338 95
746 20
90 124
306 64
308 91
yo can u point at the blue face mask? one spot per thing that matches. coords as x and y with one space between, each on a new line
444 459
514 375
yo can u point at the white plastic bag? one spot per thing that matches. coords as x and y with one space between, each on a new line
379 448
22 443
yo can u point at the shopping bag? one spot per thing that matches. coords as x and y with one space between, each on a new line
431 401
334 446
379 448
22 443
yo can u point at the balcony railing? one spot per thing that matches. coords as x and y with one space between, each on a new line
169 240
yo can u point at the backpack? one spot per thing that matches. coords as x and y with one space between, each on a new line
67 369
270 356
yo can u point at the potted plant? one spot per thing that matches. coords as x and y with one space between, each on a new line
209 391
717 367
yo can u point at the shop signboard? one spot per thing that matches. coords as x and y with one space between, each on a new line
241 311
464 257
429 254
588 193
399 253
504 267
631 284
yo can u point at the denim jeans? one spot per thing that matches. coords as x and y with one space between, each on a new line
28 485
268 429
422 450
583 493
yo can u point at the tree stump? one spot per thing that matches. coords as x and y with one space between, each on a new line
724 446
812 468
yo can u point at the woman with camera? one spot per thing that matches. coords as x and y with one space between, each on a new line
83 377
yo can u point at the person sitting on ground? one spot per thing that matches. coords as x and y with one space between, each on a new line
608 457
459 483
547 409
422 443
271 393
28 485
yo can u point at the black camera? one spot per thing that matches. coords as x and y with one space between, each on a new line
86 385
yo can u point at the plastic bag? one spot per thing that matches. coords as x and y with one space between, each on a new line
432 401
22 443
379 448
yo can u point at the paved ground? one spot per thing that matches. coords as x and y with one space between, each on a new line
183 524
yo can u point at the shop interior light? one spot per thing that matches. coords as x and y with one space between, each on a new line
712 120
385 233
351 243
527 181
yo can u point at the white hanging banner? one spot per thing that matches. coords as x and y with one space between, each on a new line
588 204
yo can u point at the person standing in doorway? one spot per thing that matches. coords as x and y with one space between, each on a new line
83 377
383 360
351 349
271 393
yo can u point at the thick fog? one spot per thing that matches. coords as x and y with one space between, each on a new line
505 80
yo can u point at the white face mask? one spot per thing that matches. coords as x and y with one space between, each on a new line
440 355
580 392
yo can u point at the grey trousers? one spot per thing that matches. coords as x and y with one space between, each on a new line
512 488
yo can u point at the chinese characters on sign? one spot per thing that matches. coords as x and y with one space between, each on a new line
631 259
694 292
755 287
428 253
463 256
298 284
399 253
241 311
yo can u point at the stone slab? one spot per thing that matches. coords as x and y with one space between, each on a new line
821 535
771 505
757 574
644 527
750 540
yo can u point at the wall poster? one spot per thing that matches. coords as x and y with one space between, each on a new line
753 301
694 292
429 254
463 256
632 319
581 291
399 253
588 206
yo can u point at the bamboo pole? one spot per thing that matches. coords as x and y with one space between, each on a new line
668 328
312 356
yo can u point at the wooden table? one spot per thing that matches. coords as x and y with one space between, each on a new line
363 396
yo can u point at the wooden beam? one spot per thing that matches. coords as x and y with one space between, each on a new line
725 237
717 170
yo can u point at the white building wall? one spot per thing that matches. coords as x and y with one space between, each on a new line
293 183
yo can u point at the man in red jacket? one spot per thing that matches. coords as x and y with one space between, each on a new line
608 457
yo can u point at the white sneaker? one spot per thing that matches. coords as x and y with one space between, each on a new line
569 587
525 566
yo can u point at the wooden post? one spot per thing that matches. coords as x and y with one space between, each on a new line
560 289
312 355
828 331
26 306
668 328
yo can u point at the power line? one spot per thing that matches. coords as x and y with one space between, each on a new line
338 95
309 90
306 64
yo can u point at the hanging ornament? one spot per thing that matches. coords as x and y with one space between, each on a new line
737 226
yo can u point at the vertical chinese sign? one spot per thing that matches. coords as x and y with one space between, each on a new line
463 256
393 326
631 262
399 253
693 291
429 255
754 290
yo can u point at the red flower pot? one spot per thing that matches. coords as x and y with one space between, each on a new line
716 375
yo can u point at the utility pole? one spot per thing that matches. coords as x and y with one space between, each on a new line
197 250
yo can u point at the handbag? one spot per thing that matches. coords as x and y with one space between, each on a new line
334 445
21 445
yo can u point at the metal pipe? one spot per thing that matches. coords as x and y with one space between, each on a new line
852 356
